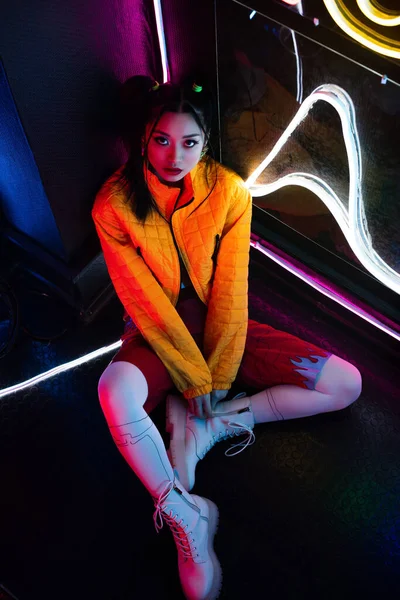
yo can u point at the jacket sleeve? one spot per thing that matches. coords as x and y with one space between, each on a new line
227 315
150 308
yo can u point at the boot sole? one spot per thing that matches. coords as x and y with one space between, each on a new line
213 518
176 424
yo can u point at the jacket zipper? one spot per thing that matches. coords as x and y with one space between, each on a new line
138 250
177 250
176 245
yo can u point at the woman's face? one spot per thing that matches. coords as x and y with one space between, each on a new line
175 146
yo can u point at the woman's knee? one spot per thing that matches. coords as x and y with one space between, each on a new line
122 392
351 387
341 381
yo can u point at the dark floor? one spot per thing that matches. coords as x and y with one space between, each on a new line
310 511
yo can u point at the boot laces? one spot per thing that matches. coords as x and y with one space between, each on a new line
239 429
182 536
236 429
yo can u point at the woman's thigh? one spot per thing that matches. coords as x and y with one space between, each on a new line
138 352
272 357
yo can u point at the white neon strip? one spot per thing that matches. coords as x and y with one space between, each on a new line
252 14
299 62
352 221
379 16
360 32
299 66
323 289
161 40
61 369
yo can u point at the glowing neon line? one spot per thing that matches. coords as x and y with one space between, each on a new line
299 66
299 62
252 14
353 222
378 16
60 369
161 40
326 291
360 32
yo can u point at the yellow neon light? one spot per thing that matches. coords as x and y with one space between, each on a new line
360 32
378 16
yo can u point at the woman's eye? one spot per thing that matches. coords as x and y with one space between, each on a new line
192 142
160 140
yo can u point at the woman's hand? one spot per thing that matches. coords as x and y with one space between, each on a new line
217 396
201 406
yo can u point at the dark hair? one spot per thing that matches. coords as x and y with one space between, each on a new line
140 104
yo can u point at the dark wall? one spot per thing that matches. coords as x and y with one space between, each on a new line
63 61
190 37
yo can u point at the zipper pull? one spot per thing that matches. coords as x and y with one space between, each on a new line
217 239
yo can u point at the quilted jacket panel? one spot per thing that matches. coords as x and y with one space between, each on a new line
210 227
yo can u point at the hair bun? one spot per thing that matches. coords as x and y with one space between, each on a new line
135 88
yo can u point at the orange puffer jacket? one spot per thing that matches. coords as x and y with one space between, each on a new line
210 228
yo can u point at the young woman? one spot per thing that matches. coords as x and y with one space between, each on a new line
174 226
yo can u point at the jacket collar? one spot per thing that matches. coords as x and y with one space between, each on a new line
170 194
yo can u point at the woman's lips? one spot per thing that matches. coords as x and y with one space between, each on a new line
173 171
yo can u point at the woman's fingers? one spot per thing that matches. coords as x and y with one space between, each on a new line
200 410
207 407
201 406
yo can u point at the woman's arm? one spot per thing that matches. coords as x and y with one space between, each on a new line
150 308
227 316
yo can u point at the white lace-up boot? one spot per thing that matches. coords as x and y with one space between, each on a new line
193 521
191 438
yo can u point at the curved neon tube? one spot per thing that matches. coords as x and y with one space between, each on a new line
360 32
378 16
352 222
